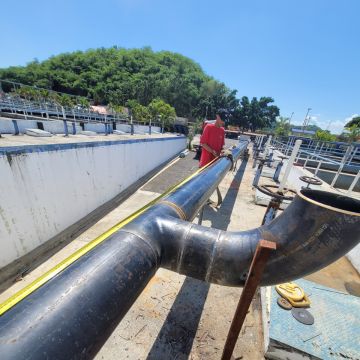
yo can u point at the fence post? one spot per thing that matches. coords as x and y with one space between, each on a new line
354 183
289 165
342 164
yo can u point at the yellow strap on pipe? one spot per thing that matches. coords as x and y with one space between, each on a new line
21 294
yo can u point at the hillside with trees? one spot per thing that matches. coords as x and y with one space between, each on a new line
143 80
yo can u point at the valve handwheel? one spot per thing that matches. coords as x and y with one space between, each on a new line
310 180
285 194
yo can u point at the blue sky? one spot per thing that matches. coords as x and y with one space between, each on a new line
305 54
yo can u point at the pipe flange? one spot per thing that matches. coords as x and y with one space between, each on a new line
310 180
229 155
270 191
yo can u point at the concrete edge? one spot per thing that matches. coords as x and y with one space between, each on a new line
28 262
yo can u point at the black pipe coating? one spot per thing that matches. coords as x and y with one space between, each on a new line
73 314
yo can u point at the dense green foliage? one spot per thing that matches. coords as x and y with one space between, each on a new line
354 121
256 113
353 133
117 75
35 94
324 135
283 126
157 110
135 77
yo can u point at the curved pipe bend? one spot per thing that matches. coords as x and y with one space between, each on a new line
316 229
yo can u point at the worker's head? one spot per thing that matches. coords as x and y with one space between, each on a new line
221 117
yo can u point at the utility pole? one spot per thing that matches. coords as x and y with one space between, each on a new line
305 120
291 117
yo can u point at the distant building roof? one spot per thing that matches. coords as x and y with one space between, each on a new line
311 132
100 109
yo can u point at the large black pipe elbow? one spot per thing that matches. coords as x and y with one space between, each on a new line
316 229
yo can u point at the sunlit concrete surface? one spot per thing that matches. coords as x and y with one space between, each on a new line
19 140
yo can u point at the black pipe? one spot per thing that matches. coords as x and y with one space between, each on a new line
316 229
73 314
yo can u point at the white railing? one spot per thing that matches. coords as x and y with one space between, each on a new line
349 158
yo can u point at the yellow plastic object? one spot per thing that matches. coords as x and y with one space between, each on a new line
294 294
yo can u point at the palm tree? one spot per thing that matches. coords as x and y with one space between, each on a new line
282 127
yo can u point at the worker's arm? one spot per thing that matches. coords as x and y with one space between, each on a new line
209 149
205 137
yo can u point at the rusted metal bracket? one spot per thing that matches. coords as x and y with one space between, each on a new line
263 250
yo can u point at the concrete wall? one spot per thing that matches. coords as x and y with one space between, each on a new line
123 127
99 128
137 128
53 126
6 127
47 188
57 126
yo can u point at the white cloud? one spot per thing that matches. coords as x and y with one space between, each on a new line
334 126
351 117
337 126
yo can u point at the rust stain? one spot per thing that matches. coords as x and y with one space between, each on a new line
151 283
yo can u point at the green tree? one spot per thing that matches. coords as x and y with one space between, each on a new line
354 121
159 109
282 127
139 112
115 75
353 132
324 135
256 113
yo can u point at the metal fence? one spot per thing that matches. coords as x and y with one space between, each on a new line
340 155
44 107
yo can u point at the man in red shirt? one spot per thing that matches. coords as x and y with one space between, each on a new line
213 139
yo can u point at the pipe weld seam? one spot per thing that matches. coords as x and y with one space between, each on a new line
181 253
212 256
177 208
156 254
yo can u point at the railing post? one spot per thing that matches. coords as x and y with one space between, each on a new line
318 168
16 127
258 173
289 165
342 164
352 156
66 130
304 166
354 182
131 126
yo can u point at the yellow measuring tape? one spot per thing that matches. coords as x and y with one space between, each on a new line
21 294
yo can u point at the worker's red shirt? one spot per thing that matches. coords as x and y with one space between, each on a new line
215 138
